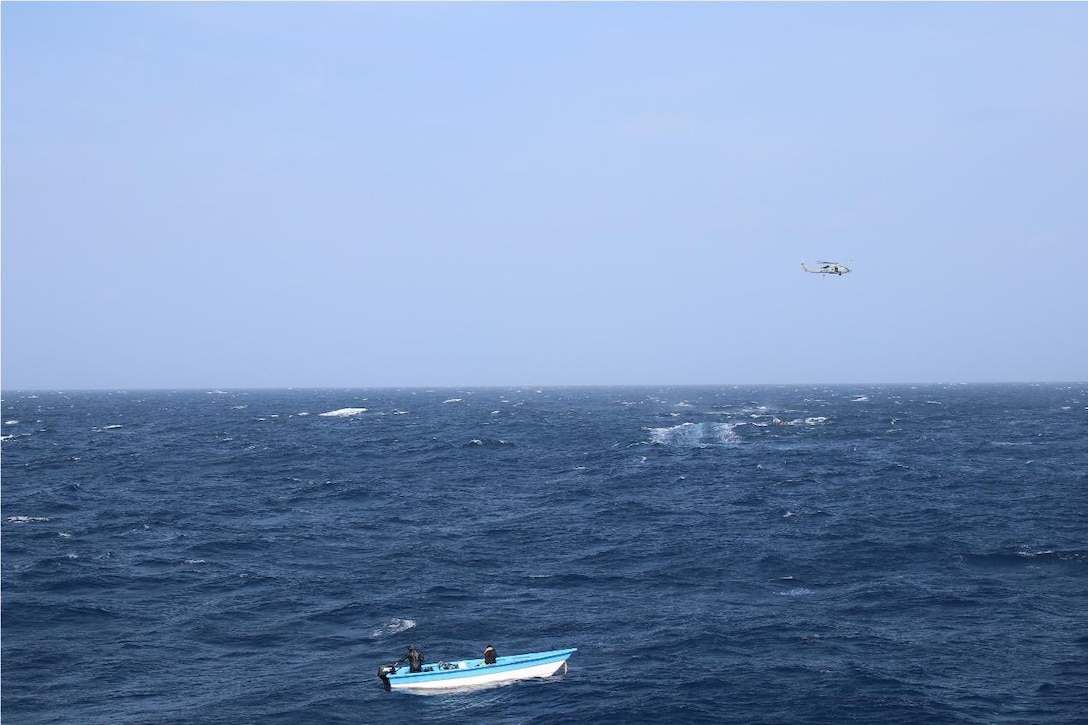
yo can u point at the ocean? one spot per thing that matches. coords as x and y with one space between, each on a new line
728 554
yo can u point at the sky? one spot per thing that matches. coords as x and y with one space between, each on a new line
269 195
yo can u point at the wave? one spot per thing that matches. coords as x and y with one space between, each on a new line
795 592
812 420
695 435
342 413
395 625
488 442
1025 557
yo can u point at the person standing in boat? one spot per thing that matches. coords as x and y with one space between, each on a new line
490 655
414 658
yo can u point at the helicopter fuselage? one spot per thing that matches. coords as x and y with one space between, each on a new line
827 268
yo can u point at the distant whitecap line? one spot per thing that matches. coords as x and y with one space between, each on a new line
342 412
489 442
454 400
28 519
814 420
758 411
1072 555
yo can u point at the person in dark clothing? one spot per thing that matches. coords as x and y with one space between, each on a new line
413 657
490 655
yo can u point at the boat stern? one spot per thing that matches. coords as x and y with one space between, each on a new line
383 674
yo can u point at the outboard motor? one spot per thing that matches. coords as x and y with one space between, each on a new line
384 671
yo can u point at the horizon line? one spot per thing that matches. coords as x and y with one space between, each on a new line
491 386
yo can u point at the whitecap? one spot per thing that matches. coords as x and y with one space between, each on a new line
695 434
27 519
342 412
11 422
395 625
454 400
795 592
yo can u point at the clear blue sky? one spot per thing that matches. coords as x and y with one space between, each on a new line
201 195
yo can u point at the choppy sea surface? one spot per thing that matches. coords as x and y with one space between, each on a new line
777 554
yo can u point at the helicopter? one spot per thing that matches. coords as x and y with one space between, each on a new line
827 268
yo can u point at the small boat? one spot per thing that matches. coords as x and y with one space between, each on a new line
472 673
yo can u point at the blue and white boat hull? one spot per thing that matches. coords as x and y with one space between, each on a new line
474 673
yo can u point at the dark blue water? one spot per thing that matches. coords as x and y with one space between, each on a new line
731 555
